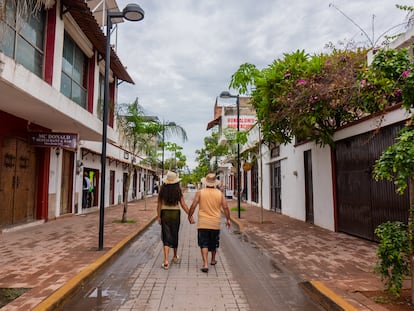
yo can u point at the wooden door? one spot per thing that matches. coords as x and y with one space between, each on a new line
275 187
17 181
255 182
66 187
111 187
307 157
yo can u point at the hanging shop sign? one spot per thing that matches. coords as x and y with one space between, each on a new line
64 140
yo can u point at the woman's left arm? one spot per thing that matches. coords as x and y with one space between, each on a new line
187 210
184 205
159 210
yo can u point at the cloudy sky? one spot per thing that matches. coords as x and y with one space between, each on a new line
182 55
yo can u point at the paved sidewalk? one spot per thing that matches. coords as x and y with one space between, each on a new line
136 280
55 257
336 267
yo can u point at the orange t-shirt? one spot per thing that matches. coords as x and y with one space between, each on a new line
209 210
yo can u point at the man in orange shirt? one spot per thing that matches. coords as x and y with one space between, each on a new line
211 202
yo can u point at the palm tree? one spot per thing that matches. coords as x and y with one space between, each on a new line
139 133
168 129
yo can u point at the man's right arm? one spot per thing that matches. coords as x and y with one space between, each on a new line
194 204
226 210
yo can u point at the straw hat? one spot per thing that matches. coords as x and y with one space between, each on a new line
210 180
171 178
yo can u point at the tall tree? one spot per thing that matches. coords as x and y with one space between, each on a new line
166 130
177 160
212 149
139 133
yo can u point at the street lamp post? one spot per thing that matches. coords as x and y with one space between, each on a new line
226 94
132 12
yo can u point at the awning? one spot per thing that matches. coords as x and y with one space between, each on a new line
217 116
213 123
87 22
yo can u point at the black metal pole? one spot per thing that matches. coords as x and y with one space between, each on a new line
104 131
238 156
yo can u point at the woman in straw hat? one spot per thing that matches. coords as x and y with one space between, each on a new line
211 202
170 199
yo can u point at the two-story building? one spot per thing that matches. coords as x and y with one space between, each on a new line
51 92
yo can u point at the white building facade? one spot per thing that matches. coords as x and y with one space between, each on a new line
51 94
331 187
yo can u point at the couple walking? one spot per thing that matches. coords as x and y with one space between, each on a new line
211 202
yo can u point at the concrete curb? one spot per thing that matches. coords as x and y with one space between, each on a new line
57 299
326 297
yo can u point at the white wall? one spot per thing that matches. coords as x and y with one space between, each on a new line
293 183
292 171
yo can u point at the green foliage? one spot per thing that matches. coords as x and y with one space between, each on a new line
211 150
393 261
120 221
410 13
138 130
389 80
235 209
177 161
168 129
305 96
407 8
189 178
233 137
244 78
397 162
310 97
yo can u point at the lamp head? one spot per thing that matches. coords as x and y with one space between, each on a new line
133 12
226 94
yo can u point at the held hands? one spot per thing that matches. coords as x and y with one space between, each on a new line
191 219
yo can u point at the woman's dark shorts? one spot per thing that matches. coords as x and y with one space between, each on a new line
209 238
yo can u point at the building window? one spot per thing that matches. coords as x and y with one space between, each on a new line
22 35
274 150
101 96
74 72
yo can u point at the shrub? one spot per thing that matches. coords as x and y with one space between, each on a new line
393 261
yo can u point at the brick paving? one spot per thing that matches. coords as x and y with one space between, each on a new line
47 257
183 286
44 257
340 263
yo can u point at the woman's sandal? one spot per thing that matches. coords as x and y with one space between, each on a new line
213 263
165 266
176 259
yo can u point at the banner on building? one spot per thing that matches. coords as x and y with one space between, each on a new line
63 140
246 122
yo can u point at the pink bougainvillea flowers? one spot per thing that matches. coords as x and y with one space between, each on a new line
405 73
